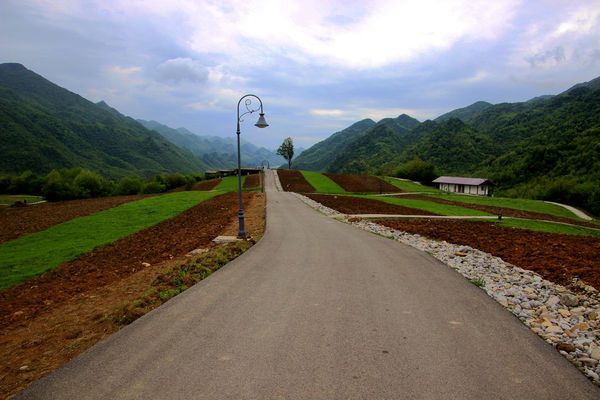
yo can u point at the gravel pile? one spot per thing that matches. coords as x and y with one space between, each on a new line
569 321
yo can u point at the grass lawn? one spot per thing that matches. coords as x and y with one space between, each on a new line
229 184
31 255
9 199
441 209
549 227
517 204
409 186
322 183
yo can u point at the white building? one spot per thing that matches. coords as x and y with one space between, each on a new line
455 184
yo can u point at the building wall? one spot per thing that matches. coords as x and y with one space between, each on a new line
481 190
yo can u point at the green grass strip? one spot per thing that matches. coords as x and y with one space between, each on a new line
31 255
409 186
10 199
550 227
436 208
230 184
322 183
517 204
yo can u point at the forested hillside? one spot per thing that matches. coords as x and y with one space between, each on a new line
45 127
547 147
322 154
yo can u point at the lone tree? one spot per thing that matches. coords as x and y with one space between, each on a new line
286 150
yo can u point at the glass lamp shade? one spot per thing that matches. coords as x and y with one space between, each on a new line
262 122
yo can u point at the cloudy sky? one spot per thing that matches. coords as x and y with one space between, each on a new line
317 65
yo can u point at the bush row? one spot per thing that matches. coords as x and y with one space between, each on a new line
79 183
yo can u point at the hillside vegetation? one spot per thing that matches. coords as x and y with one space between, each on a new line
545 148
45 127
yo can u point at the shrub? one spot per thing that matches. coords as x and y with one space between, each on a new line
129 185
173 181
90 184
58 187
152 187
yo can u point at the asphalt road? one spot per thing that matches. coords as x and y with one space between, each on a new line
321 310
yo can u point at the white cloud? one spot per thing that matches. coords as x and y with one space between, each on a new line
327 112
562 40
119 70
359 35
182 69
357 113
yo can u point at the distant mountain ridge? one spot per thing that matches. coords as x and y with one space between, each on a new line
216 152
44 126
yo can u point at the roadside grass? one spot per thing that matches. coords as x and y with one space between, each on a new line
178 279
550 227
9 199
31 255
517 204
322 183
479 282
229 184
409 186
436 208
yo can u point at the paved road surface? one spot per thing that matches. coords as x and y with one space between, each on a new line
321 310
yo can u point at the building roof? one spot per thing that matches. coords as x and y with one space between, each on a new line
457 180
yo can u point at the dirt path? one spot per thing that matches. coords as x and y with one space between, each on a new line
49 320
574 210
558 258
355 205
16 222
507 212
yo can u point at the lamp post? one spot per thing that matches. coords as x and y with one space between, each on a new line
261 123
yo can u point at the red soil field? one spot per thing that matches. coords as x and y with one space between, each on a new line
294 181
354 205
252 181
558 258
363 184
206 185
16 222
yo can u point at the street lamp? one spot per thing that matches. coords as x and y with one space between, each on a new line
261 123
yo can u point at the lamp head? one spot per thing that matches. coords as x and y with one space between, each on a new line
262 122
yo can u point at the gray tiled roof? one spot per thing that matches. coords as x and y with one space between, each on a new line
460 180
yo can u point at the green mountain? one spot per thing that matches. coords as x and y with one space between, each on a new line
319 156
465 114
452 145
215 151
45 127
377 148
547 147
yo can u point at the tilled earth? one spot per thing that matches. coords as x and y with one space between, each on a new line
294 181
52 318
558 258
507 212
17 222
252 181
355 205
206 185
363 184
